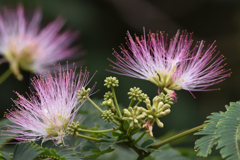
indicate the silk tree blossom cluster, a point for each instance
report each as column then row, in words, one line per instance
column 51, row 107
column 24, row 45
column 172, row 66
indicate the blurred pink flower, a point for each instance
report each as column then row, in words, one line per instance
column 30, row 48
column 53, row 104
column 172, row 66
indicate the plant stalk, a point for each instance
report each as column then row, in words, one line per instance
column 140, row 137
column 116, row 103
column 166, row 141
column 96, row 131
column 5, row 75
column 90, row 138
column 94, row 104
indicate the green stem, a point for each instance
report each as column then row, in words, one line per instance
column 90, row 138
column 128, row 131
column 114, row 121
column 140, row 137
column 96, row 131
column 94, row 104
column 116, row 103
column 131, row 103
column 166, row 141
column 138, row 103
column 5, row 75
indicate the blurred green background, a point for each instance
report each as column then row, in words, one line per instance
column 103, row 25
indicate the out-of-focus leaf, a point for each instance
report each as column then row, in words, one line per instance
column 147, row 143
column 3, row 129
column 5, row 156
column 26, row 151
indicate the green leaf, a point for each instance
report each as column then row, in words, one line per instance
column 147, row 143
column 26, row 151
column 5, row 139
column 166, row 153
column 224, row 130
column 97, row 153
column 205, row 143
column 116, row 133
column 5, row 156
column 51, row 153
column 228, row 132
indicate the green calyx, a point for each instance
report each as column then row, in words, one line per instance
column 83, row 94
column 111, row 82
column 57, row 131
column 166, row 80
column 136, row 94
column 107, row 115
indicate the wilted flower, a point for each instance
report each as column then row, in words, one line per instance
column 25, row 46
column 172, row 66
column 51, row 107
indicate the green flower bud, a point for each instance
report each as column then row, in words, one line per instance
column 150, row 117
column 156, row 101
column 166, row 112
column 159, row 123
column 111, row 82
column 126, row 112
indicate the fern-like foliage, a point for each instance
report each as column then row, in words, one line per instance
column 26, row 151
column 222, row 129
column 205, row 144
column 31, row 150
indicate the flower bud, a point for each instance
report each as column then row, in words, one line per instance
column 159, row 123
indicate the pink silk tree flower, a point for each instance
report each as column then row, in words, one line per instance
column 53, row 104
column 24, row 45
column 172, row 66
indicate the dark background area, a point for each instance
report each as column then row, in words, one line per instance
column 103, row 26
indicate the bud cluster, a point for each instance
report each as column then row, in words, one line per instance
column 135, row 115
column 144, row 118
column 107, row 115
column 156, row 110
column 108, row 95
column 111, row 82
column 136, row 94
column 83, row 94
column 166, row 99
column 73, row 129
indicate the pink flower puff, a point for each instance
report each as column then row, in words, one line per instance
column 25, row 46
column 172, row 66
column 53, row 104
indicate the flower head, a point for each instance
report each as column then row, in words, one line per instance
column 27, row 47
column 51, row 107
column 173, row 66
